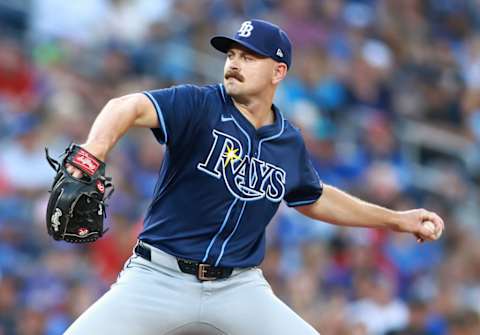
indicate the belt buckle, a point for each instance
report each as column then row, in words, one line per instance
column 202, row 271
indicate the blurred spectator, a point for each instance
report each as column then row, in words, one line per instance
column 379, row 311
column 386, row 94
column 30, row 322
column 418, row 320
column 8, row 307
column 111, row 252
column 17, row 81
column 23, row 155
column 464, row 322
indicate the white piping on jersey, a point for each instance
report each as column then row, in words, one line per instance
column 220, row 230
column 271, row 137
column 224, row 245
column 159, row 114
column 223, row 93
column 231, row 205
column 303, row 202
column 231, row 234
column 308, row 202
column 245, row 133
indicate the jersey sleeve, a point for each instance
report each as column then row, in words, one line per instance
column 306, row 187
column 178, row 109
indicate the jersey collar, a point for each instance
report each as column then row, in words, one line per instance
column 271, row 130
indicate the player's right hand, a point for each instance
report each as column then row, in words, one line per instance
column 413, row 221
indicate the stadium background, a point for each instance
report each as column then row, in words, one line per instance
column 387, row 94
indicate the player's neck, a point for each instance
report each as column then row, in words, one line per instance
column 258, row 112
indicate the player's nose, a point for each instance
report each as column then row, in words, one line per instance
column 233, row 64
column 233, row 67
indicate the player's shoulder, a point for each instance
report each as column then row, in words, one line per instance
column 215, row 92
column 200, row 90
column 203, row 94
column 291, row 132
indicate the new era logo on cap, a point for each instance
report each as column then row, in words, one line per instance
column 261, row 37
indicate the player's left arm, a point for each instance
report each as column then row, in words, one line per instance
column 340, row 208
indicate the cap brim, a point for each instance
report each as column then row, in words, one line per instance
column 224, row 43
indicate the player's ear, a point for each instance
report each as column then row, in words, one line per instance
column 279, row 72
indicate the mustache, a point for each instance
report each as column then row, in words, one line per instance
column 234, row 74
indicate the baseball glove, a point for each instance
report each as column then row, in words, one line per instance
column 76, row 208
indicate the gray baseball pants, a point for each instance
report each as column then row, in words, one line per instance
column 156, row 298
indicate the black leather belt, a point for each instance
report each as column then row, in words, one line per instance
column 203, row 271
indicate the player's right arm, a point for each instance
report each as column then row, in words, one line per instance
column 114, row 120
column 340, row 208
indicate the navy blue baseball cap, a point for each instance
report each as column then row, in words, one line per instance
column 260, row 36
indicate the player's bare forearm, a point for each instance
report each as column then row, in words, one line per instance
column 119, row 115
column 340, row 208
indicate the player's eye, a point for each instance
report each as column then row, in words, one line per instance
column 248, row 58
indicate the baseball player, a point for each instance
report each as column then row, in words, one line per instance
column 231, row 158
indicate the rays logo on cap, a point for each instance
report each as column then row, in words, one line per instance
column 245, row 29
column 268, row 40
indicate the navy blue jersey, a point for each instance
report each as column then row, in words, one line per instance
column 222, row 180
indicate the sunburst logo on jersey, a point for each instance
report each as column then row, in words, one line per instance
column 230, row 155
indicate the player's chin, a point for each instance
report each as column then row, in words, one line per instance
column 233, row 88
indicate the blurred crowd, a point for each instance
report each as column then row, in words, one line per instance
column 386, row 93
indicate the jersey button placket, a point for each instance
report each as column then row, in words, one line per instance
column 255, row 146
